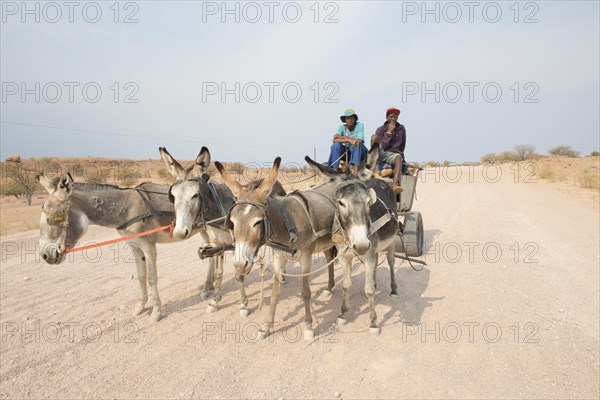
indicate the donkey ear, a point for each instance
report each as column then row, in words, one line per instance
column 372, row 196
column 322, row 170
column 265, row 188
column 65, row 183
column 203, row 160
column 235, row 187
column 373, row 157
column 369, row 165
column 174, row 168
column 47, row 183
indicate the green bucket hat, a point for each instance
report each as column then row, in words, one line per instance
column 348, row 113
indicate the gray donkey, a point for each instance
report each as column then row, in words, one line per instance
column 72, row 207
column 201, row 207
column 300, row 221
column 366, row 224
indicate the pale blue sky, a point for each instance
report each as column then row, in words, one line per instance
column 370, row 55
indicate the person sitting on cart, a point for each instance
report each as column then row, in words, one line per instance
column 348, row 142
column 391, row 137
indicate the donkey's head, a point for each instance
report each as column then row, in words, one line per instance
column 61, row 224
column 247, row 219
column 184, row 193
column 353, row 202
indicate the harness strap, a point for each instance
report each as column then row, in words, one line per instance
column 384, row 219
column 150, row 213
column 287, row 222
column 315, row 235
column 215, row 194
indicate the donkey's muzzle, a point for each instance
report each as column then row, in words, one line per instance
column 361, row 247
column 51, row 255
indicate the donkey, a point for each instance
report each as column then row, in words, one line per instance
column 367, row 222
column 72, row 207
column 201, row 206
column 300, row 221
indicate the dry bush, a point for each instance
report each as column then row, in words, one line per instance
column 523, row 151
column 165, row 176
column 564, row 151
column 21, row 182
column 589, row 179
column 99, row 177
column 489, row 158
column 506, row 156
column 552, row 174
column 236, row 167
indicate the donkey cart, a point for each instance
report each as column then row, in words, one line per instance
column 410, row 223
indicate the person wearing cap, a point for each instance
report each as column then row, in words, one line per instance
column 348, row 141
column 391, row 137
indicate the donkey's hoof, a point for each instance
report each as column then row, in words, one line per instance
column 375, row 331
column 244, row 312
column 155, row 316
column 309, row 334
column 342, row 321
column 137, row 310
column 328, row 293
column 205, row 294
column 394, row 296
column 260, row 335
column 211, row 308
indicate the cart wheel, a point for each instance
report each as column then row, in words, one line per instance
column 413, row 234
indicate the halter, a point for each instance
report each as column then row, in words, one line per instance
column 268, row 228
column 339, row 233
column 60, row 218
column 204, row 190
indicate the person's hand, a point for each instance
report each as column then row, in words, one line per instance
column 335, row 137
column 390, row 128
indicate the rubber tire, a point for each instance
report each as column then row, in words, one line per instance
column 413, row 235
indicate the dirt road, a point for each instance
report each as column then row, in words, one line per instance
column 508, row 307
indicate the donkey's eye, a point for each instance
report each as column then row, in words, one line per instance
column 341, row 204
column 195, row 196
column 257, row 223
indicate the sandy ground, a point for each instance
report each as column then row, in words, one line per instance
column 507, row 307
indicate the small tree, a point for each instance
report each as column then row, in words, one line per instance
column 523, row 151
column 100, row 177
column 506, row 156
column 489, row 158
column 165, row 175
column 564, row 151
column 594, row 154
column 23, row 182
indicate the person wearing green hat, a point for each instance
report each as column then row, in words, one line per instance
column 348, row 141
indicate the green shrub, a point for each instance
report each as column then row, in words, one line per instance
column 564, row 151
column 489, row 158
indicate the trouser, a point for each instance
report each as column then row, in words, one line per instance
column 337, row 149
